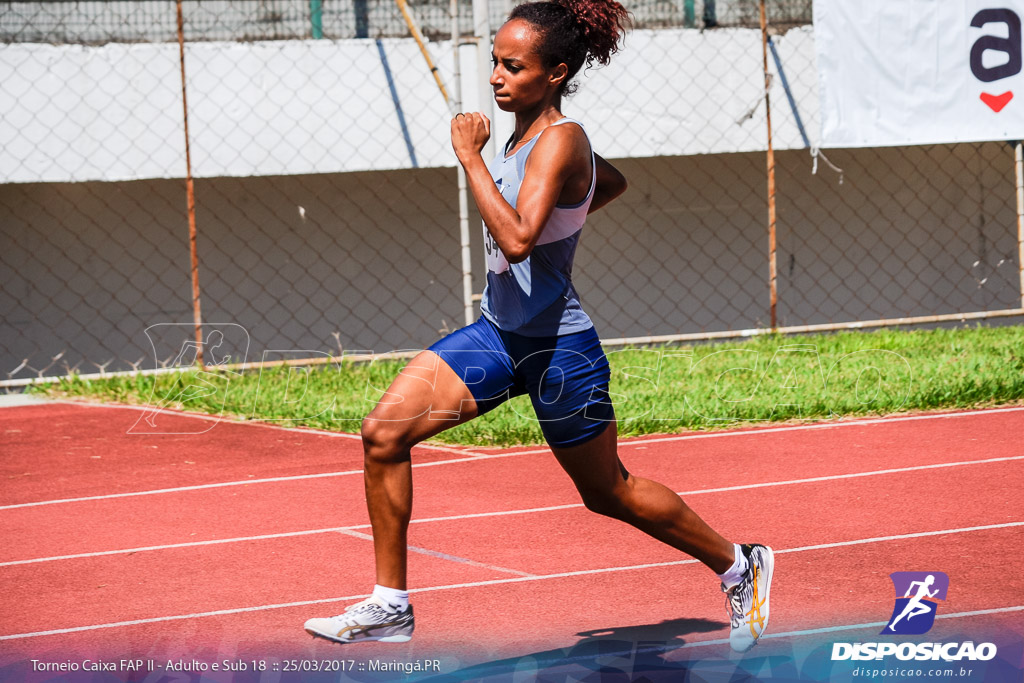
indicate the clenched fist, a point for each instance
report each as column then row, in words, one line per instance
column 470, row 132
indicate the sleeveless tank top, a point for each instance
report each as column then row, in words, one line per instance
column 536, row 297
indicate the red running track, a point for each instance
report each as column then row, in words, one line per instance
column 217, row 539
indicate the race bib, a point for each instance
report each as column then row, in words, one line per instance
column 496, row 261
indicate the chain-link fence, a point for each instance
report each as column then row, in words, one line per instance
column 326, row 200
column 105, row 21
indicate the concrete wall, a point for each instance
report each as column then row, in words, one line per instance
column 373, row 256
column 77, row 113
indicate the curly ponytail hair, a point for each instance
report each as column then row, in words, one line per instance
column 575, row 32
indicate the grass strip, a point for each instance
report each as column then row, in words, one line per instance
column 666, row 389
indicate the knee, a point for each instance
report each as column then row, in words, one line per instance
column 605, row 502
column 384, row 442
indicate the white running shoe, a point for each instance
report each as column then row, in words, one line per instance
column 747, row 601
column 371, row 619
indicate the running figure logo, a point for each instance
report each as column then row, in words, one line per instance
column 914, row 612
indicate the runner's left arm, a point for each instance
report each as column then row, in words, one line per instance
column 610, row 184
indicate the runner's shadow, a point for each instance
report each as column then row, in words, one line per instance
column 609, row 655
column 637, row 653
column 668, row 631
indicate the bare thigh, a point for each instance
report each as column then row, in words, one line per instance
column 426, row 398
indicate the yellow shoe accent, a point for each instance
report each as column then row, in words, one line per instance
column 755, row 608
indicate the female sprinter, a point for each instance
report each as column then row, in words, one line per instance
column 533, row 336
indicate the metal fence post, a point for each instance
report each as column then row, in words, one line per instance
column 464, row 243
column 316, row 18
column 772, row 265
column 1019, row 166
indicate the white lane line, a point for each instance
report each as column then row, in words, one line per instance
column 786, row 634
column 854, row 627
column 900, row 537
column 444, row 556
column 836, row 424
column 285, row 534
column 503, row 513
column 491, row 582
column 474, row 456
column 190, row 544
column 179, row 489
column 876, row 624
column 853, row 422
column 854, row 475
column 197, row 487
column 674, row 563
column 255, row 423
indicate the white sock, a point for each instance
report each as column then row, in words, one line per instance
column 734, row 574
column 395, row 598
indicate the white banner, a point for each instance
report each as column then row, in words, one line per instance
column 912, row 72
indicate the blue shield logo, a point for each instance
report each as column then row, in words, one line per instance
column 917, row 596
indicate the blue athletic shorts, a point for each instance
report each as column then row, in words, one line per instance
column 565, row 376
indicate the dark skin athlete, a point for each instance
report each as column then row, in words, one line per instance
column 428, row 397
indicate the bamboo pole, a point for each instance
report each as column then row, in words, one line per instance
column 454, row 106
column 415, row 31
